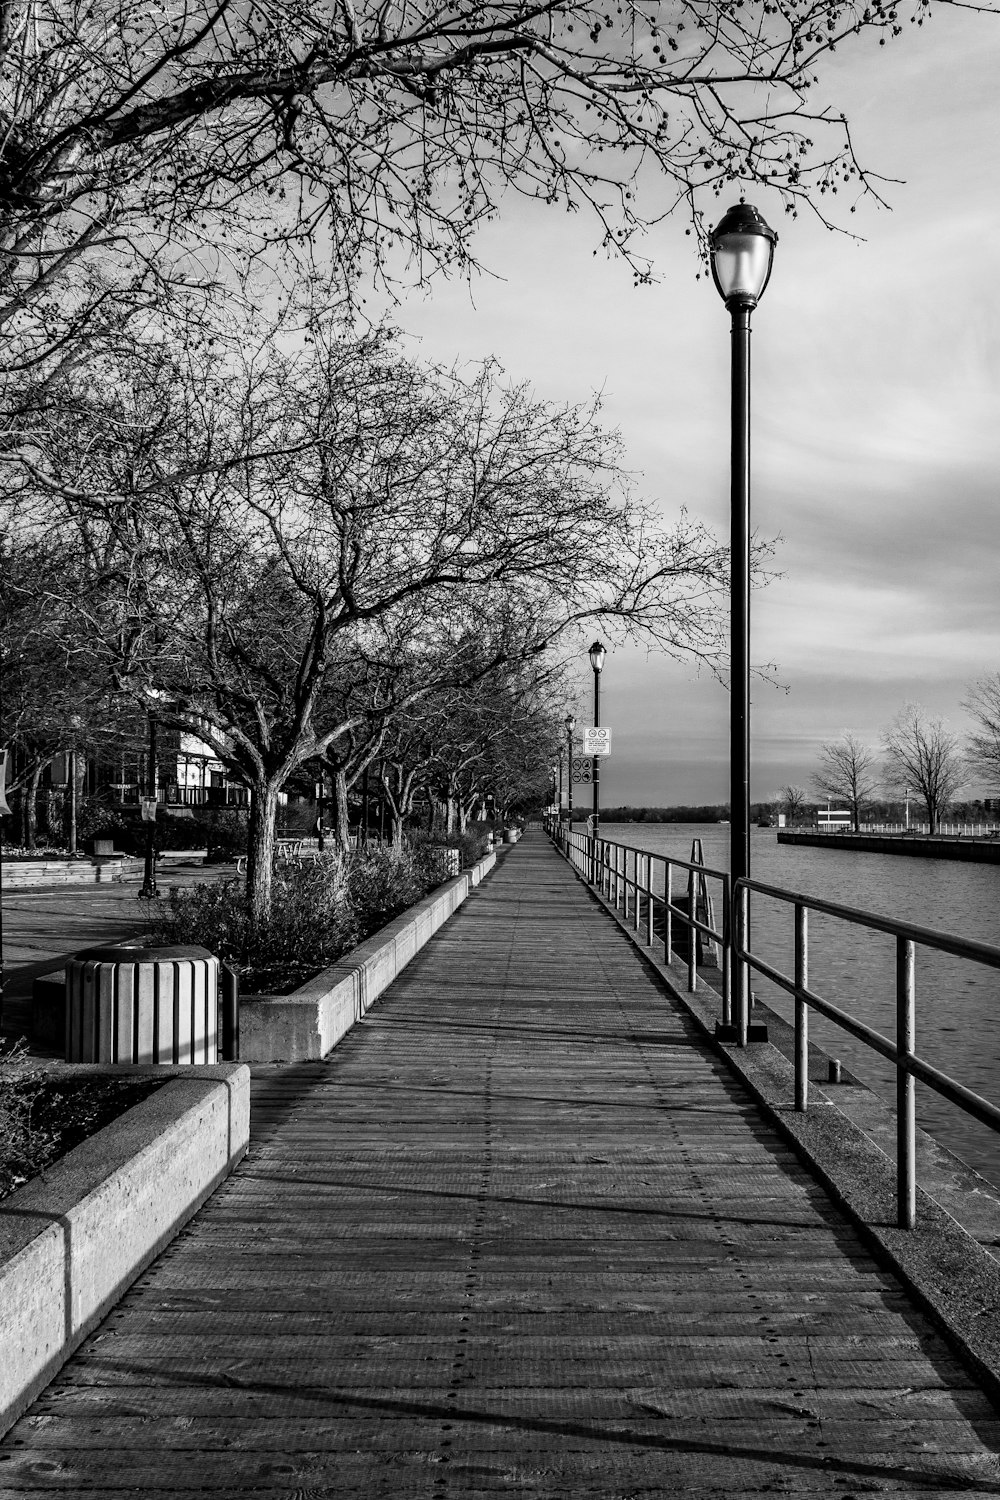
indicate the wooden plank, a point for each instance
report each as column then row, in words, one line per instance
column 520, row 1234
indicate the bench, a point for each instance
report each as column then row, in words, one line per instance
column 287, row 851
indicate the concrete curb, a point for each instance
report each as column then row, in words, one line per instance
column 947, row 1272
column 73, row 1240
column 308, row 1023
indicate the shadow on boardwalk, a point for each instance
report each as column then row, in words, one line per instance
column 518, row 1235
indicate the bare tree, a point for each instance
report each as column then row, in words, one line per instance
column 250, row 532
column 847, row 773
column 983, row 703
column 794, row 798
column 923, row 754
column 151, row 144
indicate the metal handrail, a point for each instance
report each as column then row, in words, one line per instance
column 608, row 872
column 594, row 859
column 909, row 1066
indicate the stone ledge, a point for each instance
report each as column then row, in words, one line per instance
column 952, row 1277
column 27, row 874
column 308, row 1023
column 73, row 1240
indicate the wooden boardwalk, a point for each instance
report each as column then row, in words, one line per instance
column 519, row 1235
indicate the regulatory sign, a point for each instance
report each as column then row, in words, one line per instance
column 597, row 741
column 583, row 769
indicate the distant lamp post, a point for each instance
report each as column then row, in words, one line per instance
column 597, row 654
column 742, row 255
column 570, row 726
column 148, row 891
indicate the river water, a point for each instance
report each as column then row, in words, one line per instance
column 958, row 1002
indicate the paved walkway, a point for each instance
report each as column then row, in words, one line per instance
column 43, row 926
column 519, row 1235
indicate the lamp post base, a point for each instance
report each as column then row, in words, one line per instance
column 756, row 1032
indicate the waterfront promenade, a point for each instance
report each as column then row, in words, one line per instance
column 519, row 1234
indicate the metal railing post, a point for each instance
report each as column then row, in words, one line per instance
column 741, row 972
column 668, row 875
column 801, row 1008
column 727, row 954
column 906, row 1086
column 692, row 937
column 649, row 901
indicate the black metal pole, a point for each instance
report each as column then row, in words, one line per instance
column 363, row 839
column 597, row 758
column 148, row 890
column 320, row 810
column 569, row 779
column 739, row 669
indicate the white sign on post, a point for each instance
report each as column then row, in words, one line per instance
column 597, row 741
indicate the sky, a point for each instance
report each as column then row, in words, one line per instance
column 876, row 422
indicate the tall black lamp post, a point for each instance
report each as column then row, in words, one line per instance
column 570, row 726
column 597, row 654
column 742, row 255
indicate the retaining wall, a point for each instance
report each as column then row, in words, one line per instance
column 978, row 851
column 311, row 1021
column 22, row 874
column 73, row 1240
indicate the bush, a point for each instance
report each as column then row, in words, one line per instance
column 428, row 849
column 20, row 1086
column 97, row 818
column 226, row 834
column 320, row 909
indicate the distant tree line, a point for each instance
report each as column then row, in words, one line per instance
column 920, row 758
column 712, row 812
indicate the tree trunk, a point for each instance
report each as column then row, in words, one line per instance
column 342, row 826
column 31, row 807
column 397, row 831
column 73, row 791
column 260, row 848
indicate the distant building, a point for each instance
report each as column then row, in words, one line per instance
column 831, row 819
column 188, row 773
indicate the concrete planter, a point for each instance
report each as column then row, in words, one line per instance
column 310, row 1021
column 73, row 1241
column 22, row 874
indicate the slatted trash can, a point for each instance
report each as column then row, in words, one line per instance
column 142, row 1005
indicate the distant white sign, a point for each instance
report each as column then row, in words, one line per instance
column 597, row 741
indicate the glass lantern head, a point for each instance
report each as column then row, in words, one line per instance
column 742, row 256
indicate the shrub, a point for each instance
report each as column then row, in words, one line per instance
column 320, row 909
column 20, row 1141
column 428, row 849
column 96, row 817
column 226, row 833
